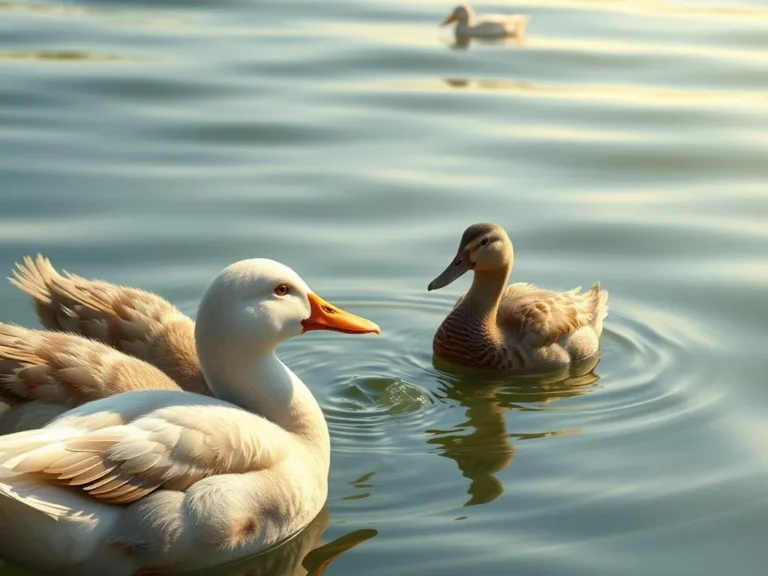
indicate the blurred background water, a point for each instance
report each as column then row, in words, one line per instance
column 152, row 143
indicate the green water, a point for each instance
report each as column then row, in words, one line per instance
column 152, row 143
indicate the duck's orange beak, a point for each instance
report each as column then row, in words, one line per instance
column 326, row 316
column 451, row 18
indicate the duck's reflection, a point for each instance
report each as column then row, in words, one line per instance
column 303, row 555
column 481, row 445
column 510, row 86
column 464, row 43
column 363, row 484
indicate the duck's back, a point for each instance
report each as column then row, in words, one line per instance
column 495, row 26
column 553, row 328
column 543, row 316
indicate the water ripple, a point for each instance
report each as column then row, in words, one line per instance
column 153, row 144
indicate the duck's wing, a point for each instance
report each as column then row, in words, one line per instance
column 542, row 317
column 133, row 321
column 122, row 448
column 513, row 25
column 505, row 18
column 65, row 369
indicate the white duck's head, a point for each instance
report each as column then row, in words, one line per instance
column 254, row 305
column 463, row 14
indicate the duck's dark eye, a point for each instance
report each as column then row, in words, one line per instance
column 281, row 289
column 484, row 242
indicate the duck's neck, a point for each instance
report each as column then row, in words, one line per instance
column 486, row 291
column 267, row 387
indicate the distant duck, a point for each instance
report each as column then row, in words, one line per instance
column 488, row 26
column 513, row 327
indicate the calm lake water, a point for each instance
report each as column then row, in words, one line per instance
column 152, row 143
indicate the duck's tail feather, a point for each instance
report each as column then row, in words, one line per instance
column 600, row 307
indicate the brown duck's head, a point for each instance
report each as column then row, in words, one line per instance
column 462, row 14
column 483, row 248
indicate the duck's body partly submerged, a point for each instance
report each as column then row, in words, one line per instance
column 168, row 480
column 487, row 26
column 516, row 327
column 155, row 479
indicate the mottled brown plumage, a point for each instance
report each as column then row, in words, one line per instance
column 104, row 340
column 516, row 327
column 67, row 369
column 43, row 374
column 132, row 321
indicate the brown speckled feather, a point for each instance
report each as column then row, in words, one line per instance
column 60, row 368
column 138, row 323
column 530, row 331
column 542, row 317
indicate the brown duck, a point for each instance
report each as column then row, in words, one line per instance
column 518, row 326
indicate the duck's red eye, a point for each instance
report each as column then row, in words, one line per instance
column 281, row 289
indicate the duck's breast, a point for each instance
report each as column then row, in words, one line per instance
column 225, row 518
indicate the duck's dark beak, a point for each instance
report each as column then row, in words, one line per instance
column 460, row 264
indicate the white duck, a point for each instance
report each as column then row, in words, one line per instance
column 488, row 26
column 160, row 481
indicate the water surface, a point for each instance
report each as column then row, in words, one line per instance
column 153, row 143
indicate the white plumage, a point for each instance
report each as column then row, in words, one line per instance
column 487, row 26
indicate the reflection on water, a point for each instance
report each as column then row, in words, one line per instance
column 48, row 10
column 463, row 42
column 485, row 84
column 674, row 97
column 318, row 559
column 487, row 449
column 112, row 15
column 622, row 141
column 61, row 56
column 363, row 483
column 302, row 555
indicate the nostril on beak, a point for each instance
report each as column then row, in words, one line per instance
column 328, row 310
